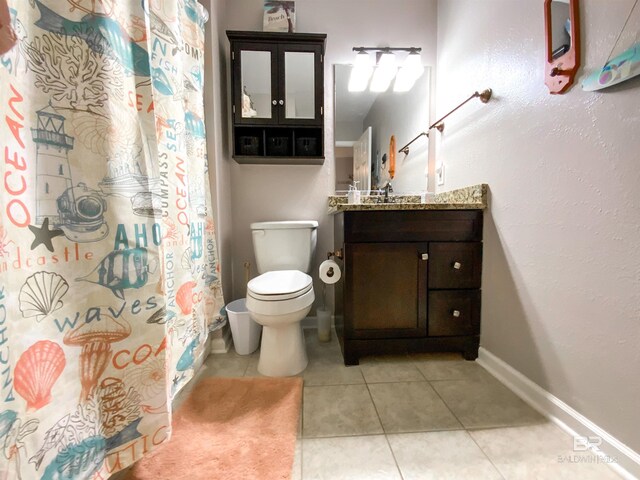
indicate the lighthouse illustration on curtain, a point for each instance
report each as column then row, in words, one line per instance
column 77, row 210
column 52, row 158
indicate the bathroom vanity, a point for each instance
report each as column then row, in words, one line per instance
column 412, row 275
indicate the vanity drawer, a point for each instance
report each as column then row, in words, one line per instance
column 413, row 226
column 455, row 264
column 453, row 313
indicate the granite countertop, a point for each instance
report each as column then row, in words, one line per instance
column 467, row 198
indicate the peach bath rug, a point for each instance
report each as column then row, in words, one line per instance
column 230, row 428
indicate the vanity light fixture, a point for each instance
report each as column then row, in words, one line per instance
column 384, row 69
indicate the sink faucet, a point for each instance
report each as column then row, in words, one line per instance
column 387, row 189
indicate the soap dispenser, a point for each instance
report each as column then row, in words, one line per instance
column 353, row 195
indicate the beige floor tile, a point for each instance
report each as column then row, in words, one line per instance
column 541, row 452
column 411, row 407
column 228, row 364
column 331, row 373
column 484, row 403
column 450, row 369
column 441, row 456
column 379, row 372
column 296, row 470
column 338, row 411
column 348, row 458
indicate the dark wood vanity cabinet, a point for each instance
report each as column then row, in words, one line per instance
column 277, row 83
column 411, row 282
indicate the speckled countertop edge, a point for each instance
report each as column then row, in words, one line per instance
column 468, row 198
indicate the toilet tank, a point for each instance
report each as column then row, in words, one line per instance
column 284, row 245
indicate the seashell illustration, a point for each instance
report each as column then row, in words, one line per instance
column 149, row 377
column 36, row 371
column 184, row 297
column 42, row 294
column 187, row 260
column 80, row 460
column 96, row 338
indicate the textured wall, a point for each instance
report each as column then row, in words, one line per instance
column 561, row 282
column 260, row 192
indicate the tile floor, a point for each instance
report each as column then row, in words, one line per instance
column 416, row 417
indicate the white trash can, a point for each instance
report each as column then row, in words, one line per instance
column 245, row 332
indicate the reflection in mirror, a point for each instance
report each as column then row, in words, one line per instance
column 299, row 84
column 560, row 28
column 402, row 114
column 256, row 84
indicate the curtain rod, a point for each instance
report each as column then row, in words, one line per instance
column 484, row 96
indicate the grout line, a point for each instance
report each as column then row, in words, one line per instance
column 384, row 432
column 486, row 455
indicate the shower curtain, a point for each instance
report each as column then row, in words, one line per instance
column 109, row 276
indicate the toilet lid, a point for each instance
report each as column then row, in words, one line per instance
column 279, row 285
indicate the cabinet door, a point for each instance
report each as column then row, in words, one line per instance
column 386, row 290
column 255, row 88
column 301, row 90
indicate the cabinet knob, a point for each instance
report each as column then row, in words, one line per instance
column 457, row 265
column 274, row 102
column 424, row 256
column 456, row 313
column 281, row 102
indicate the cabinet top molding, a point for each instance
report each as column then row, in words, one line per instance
column 276, row 36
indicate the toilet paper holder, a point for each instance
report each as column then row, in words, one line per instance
column 337, row 254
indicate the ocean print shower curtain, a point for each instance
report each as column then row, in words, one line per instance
column 109, row 278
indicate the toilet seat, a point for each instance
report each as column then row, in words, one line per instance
column 280, row 292
column 279, row 285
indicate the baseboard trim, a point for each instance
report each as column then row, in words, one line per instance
column 568, row 419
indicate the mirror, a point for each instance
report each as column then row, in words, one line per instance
column 401, row 114
column 562, row 29
column 299, row 74
column 256, row 86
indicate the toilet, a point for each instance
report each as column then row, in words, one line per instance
column 282, row 295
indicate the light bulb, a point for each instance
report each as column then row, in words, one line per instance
column 410, row 71
column 360, row 72
column 384, row 72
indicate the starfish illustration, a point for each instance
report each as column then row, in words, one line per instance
column 44, row 235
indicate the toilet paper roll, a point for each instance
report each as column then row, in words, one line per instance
column 329, row 272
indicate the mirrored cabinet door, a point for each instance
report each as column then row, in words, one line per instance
column 255, row 78
column 299, row 85
column 255, row 94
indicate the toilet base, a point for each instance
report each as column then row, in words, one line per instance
column 282, row 350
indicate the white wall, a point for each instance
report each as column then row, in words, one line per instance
column 217, row 131
column 260, row 192
column 561, row 280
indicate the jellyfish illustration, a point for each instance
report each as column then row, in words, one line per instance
column 96, row 338
column 36, row 371
column 184, row 297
